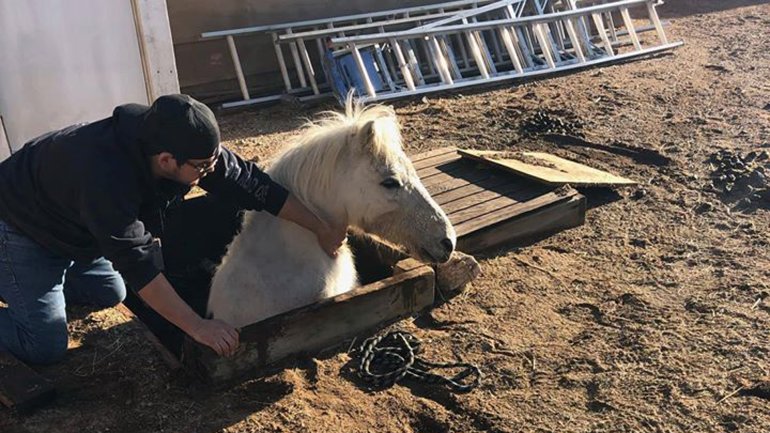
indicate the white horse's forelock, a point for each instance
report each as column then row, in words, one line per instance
column 322, row 143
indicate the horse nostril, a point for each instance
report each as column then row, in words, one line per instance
column 447, row 244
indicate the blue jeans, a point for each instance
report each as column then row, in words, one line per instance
column 36, row 284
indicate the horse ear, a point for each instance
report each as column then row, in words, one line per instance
column 365, row 135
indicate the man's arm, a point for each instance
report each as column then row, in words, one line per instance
column 110, row 213
column 253, row 189
column 243, row 182
column 330, row 237
column 216, row 334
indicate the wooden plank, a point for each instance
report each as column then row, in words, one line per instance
column 458, row 189
column 494, row 207
column 407, row 265
column 445, row 173
column 460, row 171
column 21, row 388
column 527, row 228
column 315, row 327
column 547, row 168
column 482, row 202
column 445, row 167
column 432, row 153
column 499, row 215
column 435, row 160
column 451, row 276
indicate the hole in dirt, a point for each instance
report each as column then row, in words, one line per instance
column 197, row 234
column 426, row 423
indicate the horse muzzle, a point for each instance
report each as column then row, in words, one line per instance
column 439, row 253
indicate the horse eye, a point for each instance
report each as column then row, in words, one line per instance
column 391, row 183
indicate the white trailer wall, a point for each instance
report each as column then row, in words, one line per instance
column 5, row 147
column 70, row 61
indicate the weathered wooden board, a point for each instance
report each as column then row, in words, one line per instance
column 21, row 388
column 547, row 168
column 315, row 327
column 451, row 276
column 490, row 207
column 552, row 214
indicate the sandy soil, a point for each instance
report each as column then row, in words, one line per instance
column 653, row 316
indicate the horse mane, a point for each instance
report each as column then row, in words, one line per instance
column 322, row 144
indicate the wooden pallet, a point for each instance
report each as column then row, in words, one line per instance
column 490, row 207
column 21, row 388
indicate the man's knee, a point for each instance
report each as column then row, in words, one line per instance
column 113, row 293
column 103, row 292
column 44, row 351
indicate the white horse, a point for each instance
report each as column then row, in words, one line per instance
column 345, row 168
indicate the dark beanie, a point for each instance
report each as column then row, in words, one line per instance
column 182, row 126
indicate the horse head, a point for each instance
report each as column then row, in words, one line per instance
column 353, row 168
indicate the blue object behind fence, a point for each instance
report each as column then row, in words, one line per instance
column 343, row 74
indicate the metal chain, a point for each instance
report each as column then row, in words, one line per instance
column 387, row 359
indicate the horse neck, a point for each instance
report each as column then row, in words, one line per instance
column 299, row 172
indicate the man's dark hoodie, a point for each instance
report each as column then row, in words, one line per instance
column 87, row 190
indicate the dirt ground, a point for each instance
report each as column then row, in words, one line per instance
column 653, row 316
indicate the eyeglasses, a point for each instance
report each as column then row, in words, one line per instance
column 205, row 166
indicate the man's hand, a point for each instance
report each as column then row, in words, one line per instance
column 217, row 335
column 331, row 237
